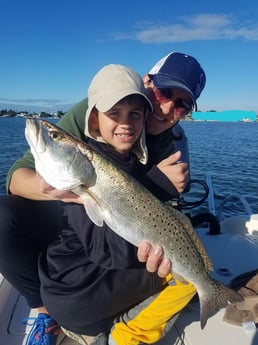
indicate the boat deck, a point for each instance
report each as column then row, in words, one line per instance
column 13, row 332
column 14, row 309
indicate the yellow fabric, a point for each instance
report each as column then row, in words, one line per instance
column 168, row 278
column 149, row 324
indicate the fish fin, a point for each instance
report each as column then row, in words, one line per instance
column 198, row 244
column 93, row 209
column 189, row 230
column 219, row 297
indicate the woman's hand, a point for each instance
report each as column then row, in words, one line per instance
column 64, row 195
column 177, row 173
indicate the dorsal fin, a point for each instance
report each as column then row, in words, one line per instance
column 187, row 226
column 199, row 246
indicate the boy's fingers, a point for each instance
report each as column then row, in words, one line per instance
column 154, row 259
column 164, row 268
column 153, row 256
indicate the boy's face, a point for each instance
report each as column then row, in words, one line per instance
column 121, row 126
column 166, row 112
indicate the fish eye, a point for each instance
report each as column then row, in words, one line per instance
column 55, row 136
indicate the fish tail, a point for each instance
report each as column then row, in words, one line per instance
column 217, row 298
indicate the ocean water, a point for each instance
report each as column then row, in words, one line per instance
column 228, row 151
column 12, row 145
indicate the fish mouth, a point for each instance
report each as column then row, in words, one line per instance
column 33, row 136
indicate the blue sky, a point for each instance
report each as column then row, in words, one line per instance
column 51, row 49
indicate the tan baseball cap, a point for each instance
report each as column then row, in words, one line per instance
column 111, row 84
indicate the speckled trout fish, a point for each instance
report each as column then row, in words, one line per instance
column 113, row 197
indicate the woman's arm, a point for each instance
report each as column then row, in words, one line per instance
column 29, row 184
column 25, row 182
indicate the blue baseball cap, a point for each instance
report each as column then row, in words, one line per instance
column 181, row 71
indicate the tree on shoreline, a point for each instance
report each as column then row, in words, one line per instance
column 13, row 113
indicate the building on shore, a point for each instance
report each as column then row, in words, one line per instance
column 226, row 116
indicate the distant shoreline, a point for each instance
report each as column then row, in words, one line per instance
column 211, row 116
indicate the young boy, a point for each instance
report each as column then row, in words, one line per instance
column 90, row 276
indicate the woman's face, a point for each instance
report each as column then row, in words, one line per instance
column 169, row 106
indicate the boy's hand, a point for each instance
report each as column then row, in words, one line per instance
column 153, row 256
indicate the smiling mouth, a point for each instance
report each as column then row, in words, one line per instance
column 124, row 136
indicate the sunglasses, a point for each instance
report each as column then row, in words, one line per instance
column 178, row 102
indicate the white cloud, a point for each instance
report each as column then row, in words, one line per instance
column 45, row 101
column 192, row 28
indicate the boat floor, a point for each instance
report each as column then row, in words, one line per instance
column 14, row 309
column 13, row 332
column 185, row 332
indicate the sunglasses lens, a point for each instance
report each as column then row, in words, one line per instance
column 179, row 102
column 168, row 93
column 182, row 103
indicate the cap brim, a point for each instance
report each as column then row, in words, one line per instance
column 107, row 102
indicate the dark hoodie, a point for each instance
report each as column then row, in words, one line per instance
column 89, row 275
